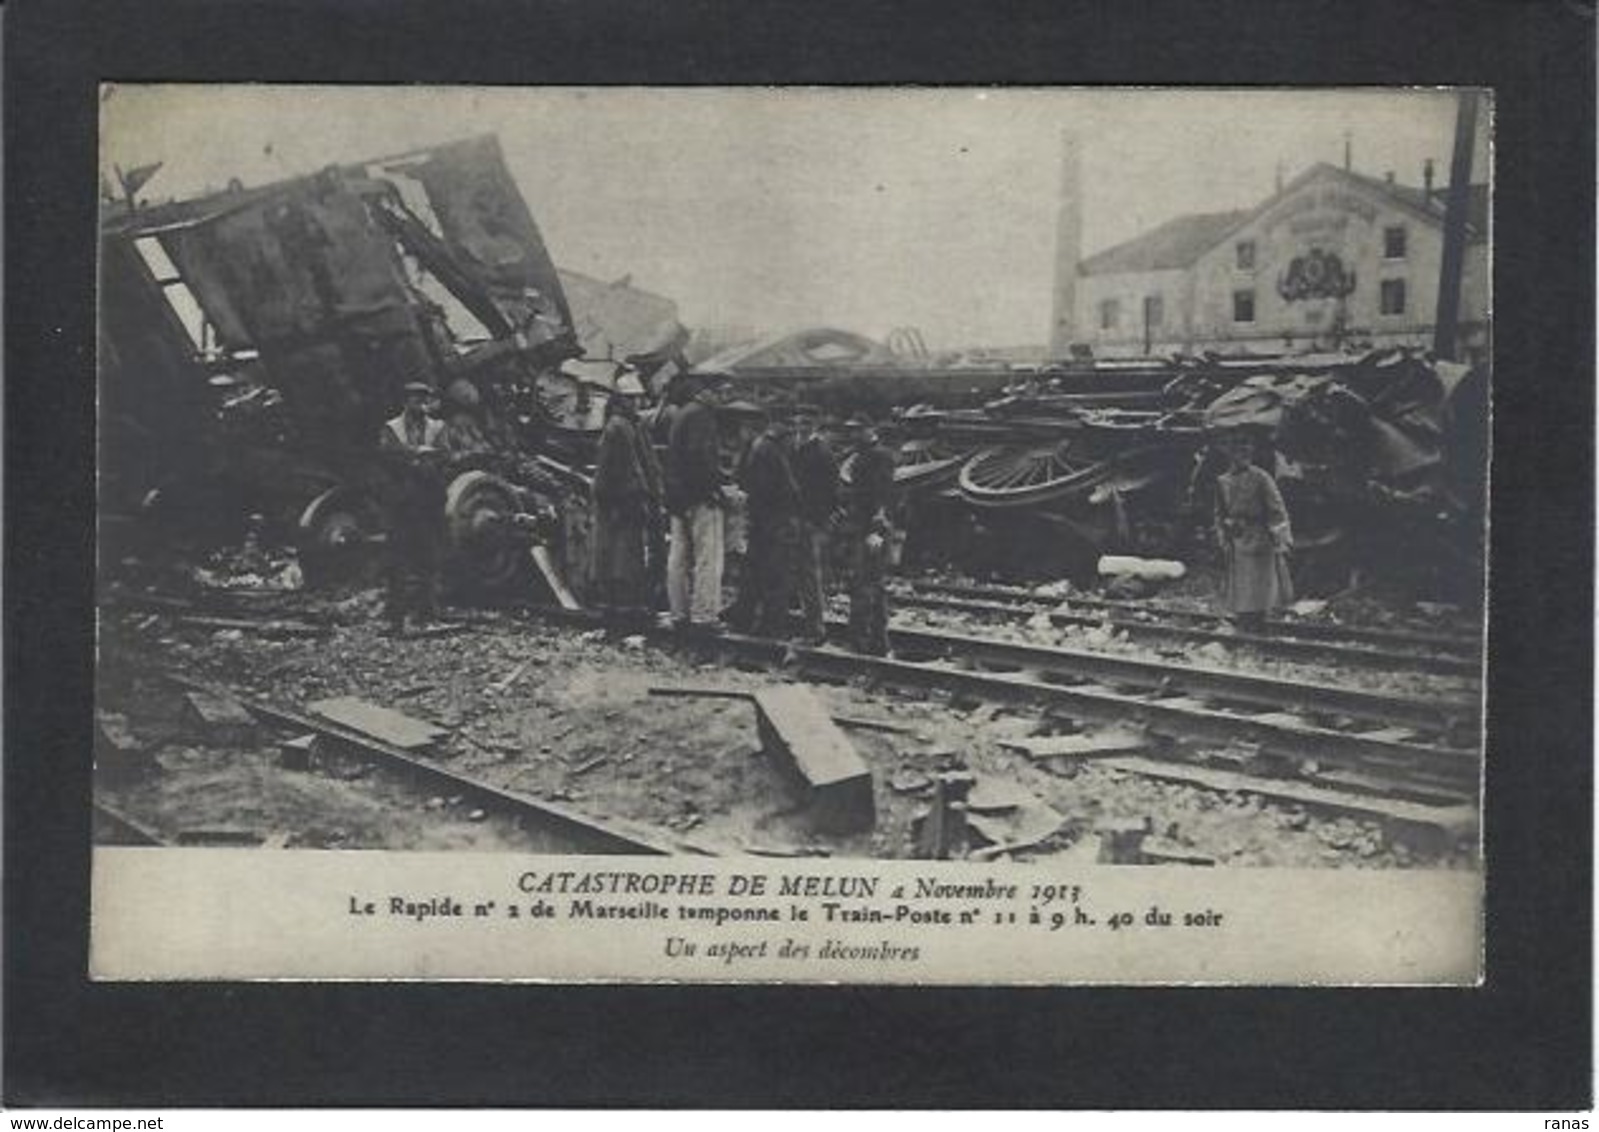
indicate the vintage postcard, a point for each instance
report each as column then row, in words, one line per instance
column 938, row 536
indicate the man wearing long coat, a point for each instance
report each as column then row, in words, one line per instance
column 625, row 494
column 1254, row 534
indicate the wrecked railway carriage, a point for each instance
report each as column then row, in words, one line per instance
column 252, row 343
column 1382, row 458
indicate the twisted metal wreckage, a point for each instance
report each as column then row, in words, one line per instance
column 253, row 341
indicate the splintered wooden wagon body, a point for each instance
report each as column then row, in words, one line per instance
column 253, row 342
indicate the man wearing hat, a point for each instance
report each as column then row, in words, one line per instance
column 767, row 478
column 1253, row 532
column 866, row 529
column 463, row 436
column 816, row 472
column 694, row 483
column 415, row 498
column 626, row 494
column 413, row 430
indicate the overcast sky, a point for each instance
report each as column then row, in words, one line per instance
column 792, row 207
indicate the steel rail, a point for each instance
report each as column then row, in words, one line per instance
column 593, row 834
column 1455, row 769
column 125, row 827
column 1469, row 643
column 1287, row 647
column 1269, row 692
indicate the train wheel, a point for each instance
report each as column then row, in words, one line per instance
column 1027, row 475
column 486, row 553
column 924, row 466
column 333, row 535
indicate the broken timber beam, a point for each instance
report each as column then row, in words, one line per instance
column 1440, row 826
column 385, row 724
column 797, row 729
column 220, row 719
column 700, row 691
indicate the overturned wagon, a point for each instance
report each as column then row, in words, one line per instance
column 254, row 341
column 1385, row 449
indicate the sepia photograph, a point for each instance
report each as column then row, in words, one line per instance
column 935, row 534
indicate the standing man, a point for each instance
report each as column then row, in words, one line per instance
column 410, row 443
column 694, row 501
column 622, row 505
column 767, row 478
column 816, row 473
column 866, row 529
column 1254, row 535
column 463, row 437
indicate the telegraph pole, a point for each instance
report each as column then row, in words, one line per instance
column 1446, row 330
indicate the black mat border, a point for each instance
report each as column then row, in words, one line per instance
column 1522, row 1042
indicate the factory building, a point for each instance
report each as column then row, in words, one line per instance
column 1334, row 258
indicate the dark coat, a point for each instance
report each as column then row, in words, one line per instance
column 622, row 499
column 768, row 479
column 817, row 474
column 693, row 458
column 871, row 483
column 1253, row 531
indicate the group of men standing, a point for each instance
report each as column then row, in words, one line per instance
column 797, row 503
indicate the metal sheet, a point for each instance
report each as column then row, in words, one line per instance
column 482, row 215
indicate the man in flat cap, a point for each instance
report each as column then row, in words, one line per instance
column 415, row 498
column 413, row 430
column 868, row 476
column 816, row 472
column 767, row 477
column 694, row 499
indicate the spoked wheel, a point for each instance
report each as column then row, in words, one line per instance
column 486, row 552
column 925, row 465
column 1027, row 475
column 334, row 535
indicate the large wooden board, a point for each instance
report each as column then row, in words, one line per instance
column 796, row 727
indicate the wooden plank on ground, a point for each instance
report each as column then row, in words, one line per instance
column 551, row 573
column 219, row 719
column 700, row 691
column 795, row 726
column 1117, row 740
column 381, row 723
column 1453, row 821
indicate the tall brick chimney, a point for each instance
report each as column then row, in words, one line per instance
column 1068, row 248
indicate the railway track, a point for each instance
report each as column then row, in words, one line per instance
column 1266, row 644
column 1372, row 746
column 576, row 831
column 1414, row 648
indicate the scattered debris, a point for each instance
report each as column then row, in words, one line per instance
column 942, row 830
column 1166, row 851
column 221, row 837
column 221, row 720
column 118, row 753
column 1122, row 842
column 994, row 795
column 383, row 724
column 796, row 728
column 909, row 780
column 1017, row 827
column 545, row 563
column 1114, row 741
column 500, row 687
column 297, row 753
column 1430, row 822
column 261, row 628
